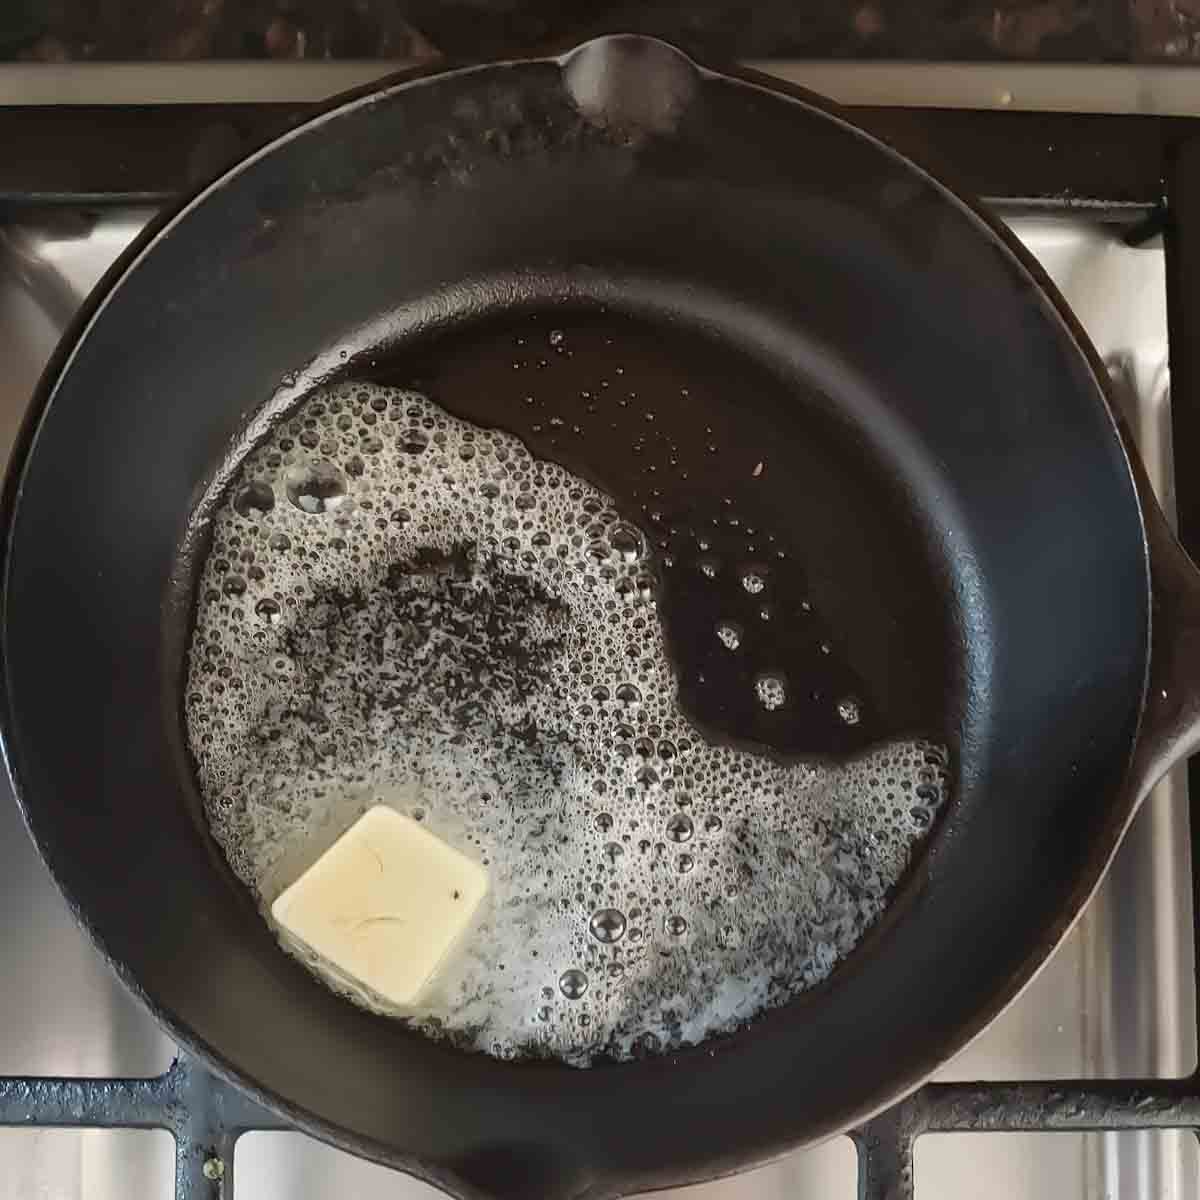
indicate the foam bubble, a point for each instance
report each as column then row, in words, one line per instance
column 401, row 607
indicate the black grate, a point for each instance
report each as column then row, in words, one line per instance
column 1141, row 172
column 205, row 1115
column 885, row 1143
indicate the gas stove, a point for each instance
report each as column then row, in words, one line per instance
column 1083, row 1088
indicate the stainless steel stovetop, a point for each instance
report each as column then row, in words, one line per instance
column 1117, row 1000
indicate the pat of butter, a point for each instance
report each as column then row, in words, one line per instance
column 384, row 904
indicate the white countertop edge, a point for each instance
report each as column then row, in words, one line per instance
column 1159, row 89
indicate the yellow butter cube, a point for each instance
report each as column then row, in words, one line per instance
column 384, row 904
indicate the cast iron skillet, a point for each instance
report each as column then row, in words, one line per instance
column 944, row 466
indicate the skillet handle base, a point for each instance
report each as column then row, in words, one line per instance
column 515, row 1172
column 1170, row 729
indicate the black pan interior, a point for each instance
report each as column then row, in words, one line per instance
column 939, row 466
column 713, row 451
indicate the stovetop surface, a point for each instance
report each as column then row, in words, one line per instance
column 1117, row 999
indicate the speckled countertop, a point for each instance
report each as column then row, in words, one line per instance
column 1046, row 30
